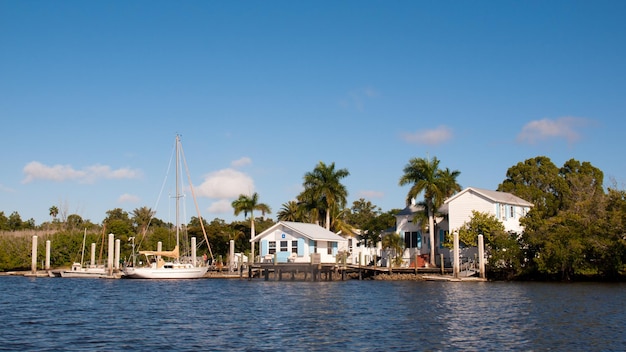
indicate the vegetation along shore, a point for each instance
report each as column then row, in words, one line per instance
column 575, row 230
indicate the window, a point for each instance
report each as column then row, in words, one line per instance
column 329, row 249
column 272, row 247
column 412, row 239
column 284, row 246
column 512, row 209
column 294, row 247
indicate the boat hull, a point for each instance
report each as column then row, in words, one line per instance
column 165, row 273
column 87, row 275
column 78, row 271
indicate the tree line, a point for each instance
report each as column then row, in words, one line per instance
column 575, row 229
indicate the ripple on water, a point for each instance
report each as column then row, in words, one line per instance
column 238, row 315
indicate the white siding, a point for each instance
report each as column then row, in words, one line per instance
column 460, row 210
column 285, row 234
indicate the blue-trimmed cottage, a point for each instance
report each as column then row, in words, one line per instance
column 295, row 242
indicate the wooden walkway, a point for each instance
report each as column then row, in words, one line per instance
column 329, row 271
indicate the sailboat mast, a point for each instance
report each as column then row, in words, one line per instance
column 82, row 255
column 177, row 190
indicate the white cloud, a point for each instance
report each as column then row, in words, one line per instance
column 222, row 206
column 438, row 135
column 128, row 198
column 563, row 127
column 241, row 162
column 38, row 171
column 370, row 194
column 226, row 183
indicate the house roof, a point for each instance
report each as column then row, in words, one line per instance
column 495, row 196
column 410, row 209
column 311, row 231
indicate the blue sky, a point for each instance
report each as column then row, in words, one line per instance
column 92, row 94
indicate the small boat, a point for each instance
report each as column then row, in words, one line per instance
column 77, row 270
column 157, row 267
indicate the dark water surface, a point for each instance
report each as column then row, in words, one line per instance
column 54, row 314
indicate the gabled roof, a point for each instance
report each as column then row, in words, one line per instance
column 494, row 196
column 310, row 231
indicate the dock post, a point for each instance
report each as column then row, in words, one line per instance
column 110, row 255
column 93, row 255
column 231, row 256
column 442, row 267
column 194, row 255
column 117, row 254
column 47, row 267
column 456, row 255
column 481, row 256
column 33, row 262
column 360, row 259
column 241, row 267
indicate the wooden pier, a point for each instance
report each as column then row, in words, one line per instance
column 330, row 271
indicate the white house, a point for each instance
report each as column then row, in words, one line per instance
column 456, row 211
column 295, row 242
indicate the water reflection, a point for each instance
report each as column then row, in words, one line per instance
column 238, row 315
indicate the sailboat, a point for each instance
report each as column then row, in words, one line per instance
column 91, row 271
column 157, row 267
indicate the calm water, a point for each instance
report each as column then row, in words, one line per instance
column 237, row 315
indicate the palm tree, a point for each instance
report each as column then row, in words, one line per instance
column 290, row 211
column 323, row 184
column 54, row 211
column 247, row 205
column 437, row 186
column 394, row 245
column 141, row 219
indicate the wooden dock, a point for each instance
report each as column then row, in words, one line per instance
column 330, row 271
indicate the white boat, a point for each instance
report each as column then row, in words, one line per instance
column 77, row 270
column 157, row 267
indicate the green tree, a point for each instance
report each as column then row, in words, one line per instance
column 74, row 222
column 4, row 222
column 119, row 223
column 568, row 232
column 609, row 250
column 141, row 218
column 323, row 187
column 291, row 211
column 361, row 212
column 480, row 223
column 248, row 204
column 503, row 249
column 15, row 221
column 395, row 246
column 369, row 221
column 54, row 211
column 436, row 184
